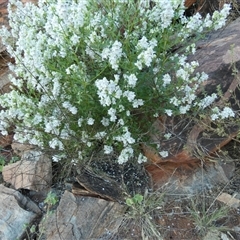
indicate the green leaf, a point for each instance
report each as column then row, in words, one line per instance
column 51, row 199
column 138, row 198
column 129, row 202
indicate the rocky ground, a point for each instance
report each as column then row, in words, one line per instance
column 29, row 212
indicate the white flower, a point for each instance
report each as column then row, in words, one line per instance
column 73, row 68
column 37, row 119
column 112, row 113
column 191, row 48
column 219, row 18
column 113, row 54
column 147, row 53
column 195, row 23
column 118, row 92
column 130, row 95
column 4, row 132
column 56, row 143
column 102, row 83
column 203, row 77
column 168, row 112
column 167, row 135
column 108, row 91
column 74, row 39
column 137, row 103
column 105, row 122
column 143, row 43
column 68, row 71
column 194, row 64
column 36, row 142
column 175, row 101
column 90, row 52
column 125, row 155
column 51, row 125
column 182, row 73
column 226, row 113
column 105, row 88
column 141, row 158
column 156, row 70
column 132, row 80
column 207, row 101
column 105, row 53
column 121, row 122
column 163, row 154
column 182, row 60
column 125, row 138
column 184, row 109
column 214, row 116
column 100, row 135
column 57, row 158
column 70, row 107
column 121, row 108
column 108, row 149
column 56, row 87
column 138, row 64
column 65, row 133
column 163, row 13
column 166, row 79
column 80, row 120
column 128, row 113
column 167, row 16
column 73, row 110
column 146, row 57
column 90, row 121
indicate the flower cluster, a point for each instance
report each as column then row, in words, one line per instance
column 87, row 72
column 225, row 113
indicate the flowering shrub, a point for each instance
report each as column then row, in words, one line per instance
column 92, row 74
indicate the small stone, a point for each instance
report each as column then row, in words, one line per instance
column 224, row 237
column 33, row 171
column 213, row 235
column 20, row 148
column 79, row 217
column 229, row 200
column 13, row 216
